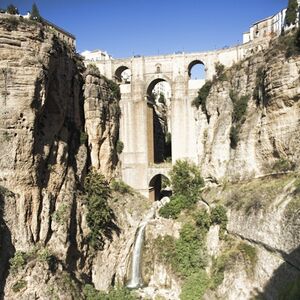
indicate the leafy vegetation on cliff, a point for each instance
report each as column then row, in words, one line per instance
column 100, row 217
column 186, row 186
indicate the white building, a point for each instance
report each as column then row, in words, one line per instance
column 268, row 27
column 96, row 55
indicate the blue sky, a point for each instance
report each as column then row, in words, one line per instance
column 150, row 27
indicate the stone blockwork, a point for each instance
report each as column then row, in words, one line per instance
column 145, row 73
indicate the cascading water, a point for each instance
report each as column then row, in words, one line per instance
column 136, row 278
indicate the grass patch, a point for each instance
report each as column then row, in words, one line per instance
column 121, row 187
column 254, row 195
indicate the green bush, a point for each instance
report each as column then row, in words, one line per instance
column 12, row 10
column 18, row 261
column 187, row 254
column 119, row 147
column 19, row 285
column 220, row 72
column 203, row 93
column 174, row 207
column 219, row 216
column 119, row 293
column 114, row 88
column 238, row 116
column 291, row 12
column 190, row 251
column 240, row 108
column 121, row 187
column 186, row 180
column 283, row 165
column 186, row 186
column 83, row 138
column 60, row 215
column 203, row 220
column 100, row 215
column 195, row 286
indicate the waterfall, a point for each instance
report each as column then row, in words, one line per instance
column 136, row 278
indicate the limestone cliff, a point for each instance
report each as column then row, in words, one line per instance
column 102, row 114
column 44, row 159
column 268, row 132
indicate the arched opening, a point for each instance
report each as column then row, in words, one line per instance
column 159, row 121
column 123, row 75
column 159, row 187
column 196, row 70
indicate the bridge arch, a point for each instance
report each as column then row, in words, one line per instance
column 153, row 81
column 196, row 68
column 159, row 127
column 123, row 74
column 159, row 187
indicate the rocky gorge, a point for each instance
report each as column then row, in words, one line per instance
column 60, row 125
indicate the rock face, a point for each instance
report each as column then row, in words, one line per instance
column 102, row 114
column 269, row 130
column 41, row 159
column 264, row 213
column 44, row 159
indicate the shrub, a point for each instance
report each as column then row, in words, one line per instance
column 203, row 220
column 190, row 251
column 259, row 90
column 119, row 147
column 195, row 286
column 121, row 187
column 100, row 215
column 218, row 216
column 203, row 93
column 187, row 184
column 173, row 208
column 92, row 69
column 240, row 108
column 119, row 293
column 19, row 285
column 61, row 216
column 83, row 138
column 12, row 10
column 291, row 12
column 186, row 180
column 114, row 88
column 18, row 261
column 249, row 254
column 187, row 254
column 11, row 23
column 35, row 14
column 220, row 72
column 44, row 255
column 283, row 165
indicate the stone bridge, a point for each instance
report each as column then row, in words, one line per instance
column 136, row 126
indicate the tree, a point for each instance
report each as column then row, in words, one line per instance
column 11, row 9
column 291, row 13
column 35, row 14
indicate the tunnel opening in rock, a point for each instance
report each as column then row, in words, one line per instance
column 159, row 187
column 159, row 121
